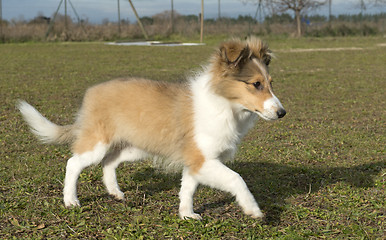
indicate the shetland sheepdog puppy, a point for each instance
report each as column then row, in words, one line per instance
column 197, row 124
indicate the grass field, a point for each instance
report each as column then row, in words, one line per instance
column 317, row 173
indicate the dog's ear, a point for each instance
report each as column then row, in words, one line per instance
column 267, row 57
column 259, row 50
column 234, row 53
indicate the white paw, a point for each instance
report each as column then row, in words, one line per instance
column 255, row 213
column 118, row 195
column 73, row 202
column 187, row 216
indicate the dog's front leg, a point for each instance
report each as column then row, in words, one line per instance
column 188, row 187
column 215, row 174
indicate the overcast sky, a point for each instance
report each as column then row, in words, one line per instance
column 97, row 10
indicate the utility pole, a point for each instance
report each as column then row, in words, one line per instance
column 329, row 12
column 52, row 21
column 259, row 12
column 138, row 20
column 76, row 14
column 172, row 17
column 119, row 19
column 219, row 9
column 65, row 17
column 202, row 21
column 363, row 7
column 1, row 21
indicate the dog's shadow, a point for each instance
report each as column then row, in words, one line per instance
column 271, row 184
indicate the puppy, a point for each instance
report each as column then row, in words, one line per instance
column 197, row 124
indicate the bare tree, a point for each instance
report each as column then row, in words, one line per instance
column 364, row 4
column 376, row 2
column 299, row 7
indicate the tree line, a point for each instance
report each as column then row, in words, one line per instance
column 159, row 27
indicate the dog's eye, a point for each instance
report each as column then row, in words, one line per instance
column 258, row 85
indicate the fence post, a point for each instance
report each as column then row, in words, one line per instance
column 119, row 19
column 1, row 21
column 202, row 21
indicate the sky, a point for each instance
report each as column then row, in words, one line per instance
column 98, row 10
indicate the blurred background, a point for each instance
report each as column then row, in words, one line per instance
column 109, row 20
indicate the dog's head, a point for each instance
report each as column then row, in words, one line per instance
column 240, row 70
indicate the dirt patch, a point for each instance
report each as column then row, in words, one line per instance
column 154, row 43
column 321, row 49
column 329, row 49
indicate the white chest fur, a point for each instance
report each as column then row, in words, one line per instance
column 219, row 124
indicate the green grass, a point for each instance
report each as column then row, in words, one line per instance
column 317, row 173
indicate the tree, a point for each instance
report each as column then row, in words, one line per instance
column 363, row 4
column 299, row 7
column 376, row 3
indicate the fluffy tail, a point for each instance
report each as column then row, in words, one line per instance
column 45, row 130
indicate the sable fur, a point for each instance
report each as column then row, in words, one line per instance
column 196, row 125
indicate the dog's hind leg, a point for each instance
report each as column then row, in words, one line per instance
column 111, row 162
column 75, row 165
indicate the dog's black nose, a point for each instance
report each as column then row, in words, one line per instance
column 281, row 113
